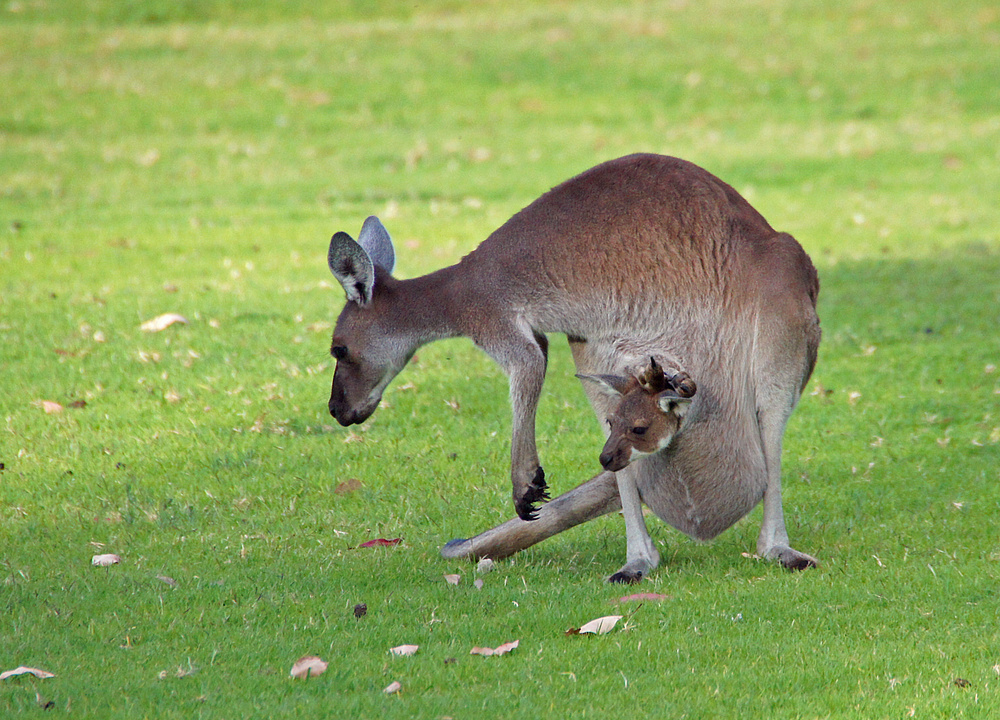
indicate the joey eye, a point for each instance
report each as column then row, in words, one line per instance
column 339, row 352
column 638, row 430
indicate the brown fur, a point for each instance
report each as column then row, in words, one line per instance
column 644, row 255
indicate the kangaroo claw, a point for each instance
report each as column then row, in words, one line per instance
column 536, row 492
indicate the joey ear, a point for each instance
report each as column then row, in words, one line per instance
column 375, row 241
column 670, row 401
column 353, row 267
column 610, row 385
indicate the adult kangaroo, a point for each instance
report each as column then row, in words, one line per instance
column 643, row 256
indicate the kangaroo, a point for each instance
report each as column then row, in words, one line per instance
column 649, row 412
column 641, row 256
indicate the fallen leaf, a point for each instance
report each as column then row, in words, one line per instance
column 404, row 650
column 601, row 625
column 453, row 579
column 105, row 560
column 380, row 542
column 348, row 486
column 642, row 597
column 168, row 580
column 78, row 404
column 308, row 666
column 162, row 322
column 26, row 671
column 489, row 652
column 478, row 583
column 360, row 610
column 50, row 407
column 485, row 565
column 392, row 688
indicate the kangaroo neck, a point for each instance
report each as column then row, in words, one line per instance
column 432, row 306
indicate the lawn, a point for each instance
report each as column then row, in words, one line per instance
column 195, row 158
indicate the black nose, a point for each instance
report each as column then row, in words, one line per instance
column 606, row 459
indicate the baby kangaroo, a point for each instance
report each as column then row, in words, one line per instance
column 650, row 410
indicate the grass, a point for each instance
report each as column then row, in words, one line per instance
column 196, row 157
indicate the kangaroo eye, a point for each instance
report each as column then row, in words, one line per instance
column 639, row 430
column 339, row 352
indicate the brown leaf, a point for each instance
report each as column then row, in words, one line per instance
column 105, row 560
column 168, row 580
column 404, row 650
column 360, row 610
column 348, row 486
column 308, row 666
column 392, row 688
column 500, row 650
column 42, row 674
column 162, row 322
column 50, row 407
column 380, row 542
column 453, row 579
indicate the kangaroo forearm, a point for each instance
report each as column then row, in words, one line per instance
column 583, row 503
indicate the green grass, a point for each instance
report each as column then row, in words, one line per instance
column 195, row 158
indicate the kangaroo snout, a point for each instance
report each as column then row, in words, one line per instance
column 615, row 457
column 345, row 413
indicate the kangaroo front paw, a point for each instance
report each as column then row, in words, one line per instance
column 534, row 492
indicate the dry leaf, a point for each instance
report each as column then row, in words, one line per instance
column 380, row 542
column 308, row 666
column 26, row 671
column 105, row 560
column 348, row 486
column 392, row 688
column 485, row 565
column 642, row 597
column 601, row 625
column 360, row 610
column 489, row 652
column 168, row 580
column 50, row 407
column 478, row 583
column 162, row 322
column 453, row 579
column 404, row 650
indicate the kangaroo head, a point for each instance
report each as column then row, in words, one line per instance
column 650, row 410
column 369, row 353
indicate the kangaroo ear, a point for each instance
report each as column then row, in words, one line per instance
column 683, row 384
column 353, row 267
column 375, row 241
column 669, row 401
column 611, row 385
